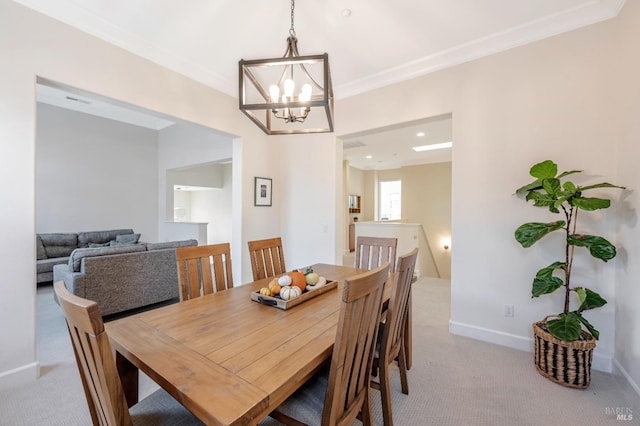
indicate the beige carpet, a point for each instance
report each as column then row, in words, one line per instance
column 454, row 380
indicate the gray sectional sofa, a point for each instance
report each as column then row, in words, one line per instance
column 55, row 248
column 123, row 277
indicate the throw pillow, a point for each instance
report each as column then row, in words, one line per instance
column 98, row 245
column 127, row 238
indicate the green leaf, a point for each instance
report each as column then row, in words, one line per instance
column 548, row 270
column 536, row 184
column 545, row 282
column 545, row 170
column 567, row 327
column 539, row 199
column 598, row 246
column 545, row 285
column 590, row 204
column 591, row 300
column 559, row 202
column 569, row 187
column 552, row 186
column 570, row 172
column 601, row 185
column 529, row 233
column 595, row 333
column 582, row 294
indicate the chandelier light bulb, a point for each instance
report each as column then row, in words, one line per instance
column 289, row 86
column 274, row 93
column 305, row 95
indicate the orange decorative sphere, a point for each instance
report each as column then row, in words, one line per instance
column 274, row 287
column 298, row 280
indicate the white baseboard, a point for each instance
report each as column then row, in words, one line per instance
column 600, row 362
column 18, row 376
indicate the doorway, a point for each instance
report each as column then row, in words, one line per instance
column 398, row 153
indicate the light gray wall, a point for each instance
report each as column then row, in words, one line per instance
column 34, row 46
column 624, row 120
column 571, row 98
column 93, row 174
column 214, row 207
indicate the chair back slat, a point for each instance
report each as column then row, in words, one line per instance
column 372, row 252
column 267, row 258
column 348, row 385
column 97, row 366
column 204, row 269
column 393, row 332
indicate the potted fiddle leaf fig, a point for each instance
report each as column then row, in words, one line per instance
column 564, row 344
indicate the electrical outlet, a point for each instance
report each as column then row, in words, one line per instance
column 508, row 310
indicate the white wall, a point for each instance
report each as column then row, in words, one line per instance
column 624, row 120
column 214, row 207
column 555, row 99
column 32, row 45
column 309, row 191
column 94, row 174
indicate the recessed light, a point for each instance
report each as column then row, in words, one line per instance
column 420, row 134
column 432, row 146
column 369, row 156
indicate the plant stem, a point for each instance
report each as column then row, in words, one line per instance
column 571, row 216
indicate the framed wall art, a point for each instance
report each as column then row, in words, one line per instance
column 262, row 196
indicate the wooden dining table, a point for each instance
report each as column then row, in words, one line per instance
column 225, row 357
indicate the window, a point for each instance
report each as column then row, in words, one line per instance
column 390, row 200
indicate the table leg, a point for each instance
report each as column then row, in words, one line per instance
column 129, row 377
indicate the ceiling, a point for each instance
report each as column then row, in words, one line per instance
column 371, row 43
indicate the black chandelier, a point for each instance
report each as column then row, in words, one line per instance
column 285, row 95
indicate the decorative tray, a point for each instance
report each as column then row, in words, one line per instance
column 279, row 303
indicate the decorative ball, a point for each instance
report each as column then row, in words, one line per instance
column 312, row 278
column 284, row 280
column 298, row 280
column 265, row 291
column 274, row 287
column 290, row 292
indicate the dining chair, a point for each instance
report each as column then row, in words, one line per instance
column 267, row 258
column 391, row 341
column 204, row 270
column 339, row 392
column 372, row 252
column 98, row 371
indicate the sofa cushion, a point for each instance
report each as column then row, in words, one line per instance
column 98, row 245
column 127, row 238
column 41, row 253
column 59, row 244
column 100, row 237
column 46, row 265
column 75, row 260
column 171, row 244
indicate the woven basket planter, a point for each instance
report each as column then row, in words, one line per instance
column 566, row 363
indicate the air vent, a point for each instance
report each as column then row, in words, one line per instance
column 352, row 144
column 82, row 101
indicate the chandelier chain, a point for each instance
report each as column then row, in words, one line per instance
column 292, row 31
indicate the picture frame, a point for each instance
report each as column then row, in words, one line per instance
column 262, row 192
